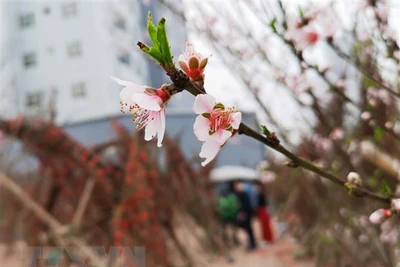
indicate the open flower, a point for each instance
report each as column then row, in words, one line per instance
column 214, row 125
column 192, row 63
column 146, row 105
column 379, row 216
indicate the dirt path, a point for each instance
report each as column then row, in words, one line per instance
column 278, row 254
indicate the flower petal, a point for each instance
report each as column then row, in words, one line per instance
column 152, row 125
column 150, row 102
column 161, row 128
column 236, row 120
column 204, row 103
column 183, row 66
column 208, row 151
column 201, row 128
column 126, row 95
column 221, row 136
column 133, row 86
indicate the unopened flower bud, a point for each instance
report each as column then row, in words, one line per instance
column 396, row 204
column 366, row 116
column 354, row 178
column 372, row 123
column 379, row 216
column 389, row 125
column 193, row 63
column 337, row 134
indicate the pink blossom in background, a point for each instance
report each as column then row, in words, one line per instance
column 379, row 216
column 214, row 125
column 389, row 233
column 323, row 144
column 306, row 37
column 147, row 107
column 340, row 83
column 268, row 177
column 297, row 83
column 389, row 125
column 366, row 116
column 337, row 134
column 396, row 204
column 374, row 94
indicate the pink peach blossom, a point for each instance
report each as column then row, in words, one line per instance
column 337, row 134
column 146, row 105
column 214, row 125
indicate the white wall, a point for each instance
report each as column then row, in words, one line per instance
column 100, row 43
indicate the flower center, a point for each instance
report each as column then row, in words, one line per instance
column 163, row 94
column 312, row 37
column 140, row 116
column 221, row 119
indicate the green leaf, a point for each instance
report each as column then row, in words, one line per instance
column 265, row 130
column 378, row 133
column 154, row 53
column 367, row 82
column 152, row 29
column 386, row 189
column 164, row 44
column 327, row 239
column 301, row 12
column 272, row 24
column 372, row 181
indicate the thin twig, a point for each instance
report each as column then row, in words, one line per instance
column 83, row 201
column 181, row 81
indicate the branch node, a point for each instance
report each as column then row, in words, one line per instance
column 291, row 164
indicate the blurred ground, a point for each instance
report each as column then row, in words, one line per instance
column 279, row 254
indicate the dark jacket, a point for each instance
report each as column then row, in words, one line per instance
column 245, row 204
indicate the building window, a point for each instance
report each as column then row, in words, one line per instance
column 69, row 10
column 74, row 49
column 78, row 90
column 27, row 20
column 46, row 10
column 29, row 60
column 34, row 99
column 124, row 58
column 120, row 23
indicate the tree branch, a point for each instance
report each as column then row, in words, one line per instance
column 181, row 81
column 54, row 225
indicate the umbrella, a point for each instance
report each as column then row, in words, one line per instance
column 229, row 173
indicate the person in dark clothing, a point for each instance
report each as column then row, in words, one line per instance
column 245, row 213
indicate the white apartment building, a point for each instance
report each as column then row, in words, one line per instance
column 64, row 52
